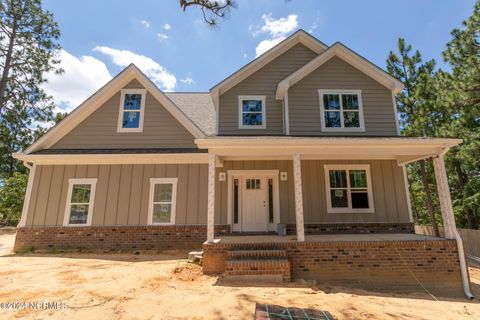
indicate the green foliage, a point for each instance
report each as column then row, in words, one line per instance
column 437, row 103
column 28, row 47
column 11, row 198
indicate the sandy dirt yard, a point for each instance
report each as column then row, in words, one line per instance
column 166, row 286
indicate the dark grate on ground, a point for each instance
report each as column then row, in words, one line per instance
column 273, row 312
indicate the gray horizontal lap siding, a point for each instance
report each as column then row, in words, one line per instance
column 304, row 101
column 122, row 193
column 99, row 130
column 263, row 82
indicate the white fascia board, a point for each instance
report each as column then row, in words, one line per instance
column 103, row 95
column 348, row 56
column 281, row 142
column 82, row 111
column 298, row 37
column 79, row 159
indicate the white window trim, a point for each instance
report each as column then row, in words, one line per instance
column 153, row 182
column 348, row 167
column 71, row 182
column 123, row 92
column 322, row 92
column 240, row 112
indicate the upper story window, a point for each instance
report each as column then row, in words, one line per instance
column 251, row 112
column 349, row 189
column 132, row 110
column 80, row 195
column 341, row 110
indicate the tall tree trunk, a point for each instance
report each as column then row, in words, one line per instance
column 8, row 62
column 428, row 194
column 462, row 181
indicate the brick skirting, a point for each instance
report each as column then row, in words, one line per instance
column 433, row 262
column 355, row 228
column 116, row 237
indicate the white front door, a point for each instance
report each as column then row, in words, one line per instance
column 254, row 203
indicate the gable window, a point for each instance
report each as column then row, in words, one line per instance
column 81, row 193
column 163, row 198
column 341, row 110
column 132, row 110
column 251, row 112
column 349, row 189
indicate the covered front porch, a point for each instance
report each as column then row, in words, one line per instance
column 399, row 250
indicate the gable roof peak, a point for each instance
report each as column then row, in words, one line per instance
column 340, row 50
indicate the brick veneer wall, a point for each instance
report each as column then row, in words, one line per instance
column 332, row 228
column 433, row 262
column 116, row 238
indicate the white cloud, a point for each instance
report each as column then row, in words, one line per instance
column 277, row 29
column 162, row 36
column 82, row 77
column 166, row 26
column 187, row 81
column 265, row 45
column 158, row 74
column 145, row 23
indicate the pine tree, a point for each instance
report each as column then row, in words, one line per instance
column 416, row 107
column 28, row 46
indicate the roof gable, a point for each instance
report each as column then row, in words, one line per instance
column 298, row 37
column 104, row 94
column 349, row 56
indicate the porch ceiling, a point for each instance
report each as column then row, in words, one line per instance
column 402, row 149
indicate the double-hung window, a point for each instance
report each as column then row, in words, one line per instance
column 251, row 112
column 163, row 198
column 341, row 110
column 80, row 196
column 132, row 110
column 349, row 189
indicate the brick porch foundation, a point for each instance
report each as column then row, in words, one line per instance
column 355, row 228
column 115, row 238
column 433, row 262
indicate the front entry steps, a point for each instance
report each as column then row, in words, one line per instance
column 257, row 265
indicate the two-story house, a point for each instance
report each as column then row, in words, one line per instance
column 303, row 140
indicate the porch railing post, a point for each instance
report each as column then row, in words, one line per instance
column 211, row 198
column 297, row 178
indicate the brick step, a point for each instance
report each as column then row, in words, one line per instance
column 256, row 254
column 258, row 269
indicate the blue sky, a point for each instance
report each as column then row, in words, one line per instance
column 181, row 53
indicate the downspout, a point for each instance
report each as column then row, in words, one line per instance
column 28, row 192
column 461, row 254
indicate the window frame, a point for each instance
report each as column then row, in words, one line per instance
column 240, row 112
column 74, row 181
column 153, row 182
column 348, row 168
column 361, row 128
column 141, row 111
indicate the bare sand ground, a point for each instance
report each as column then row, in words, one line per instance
column 165, row 286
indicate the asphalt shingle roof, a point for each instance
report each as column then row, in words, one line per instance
column 198, row 106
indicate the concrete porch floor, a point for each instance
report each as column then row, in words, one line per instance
column 326, row 238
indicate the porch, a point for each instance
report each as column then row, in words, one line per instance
column 400, row 260
column 393, row 258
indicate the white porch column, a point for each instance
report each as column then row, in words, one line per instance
column 211, row 198
column 297, row 178
column 449, row 219
column 444, row 196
